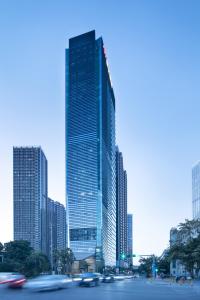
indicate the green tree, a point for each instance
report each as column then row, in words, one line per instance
column 164, row 265
column 16, row 253
column 35, row 264
column 20, row 257
column 177, row 251
column 191, row 258
column 189, row 229
column 1, row 247
column 187, row 247
column 146, row 264
column 63, row 260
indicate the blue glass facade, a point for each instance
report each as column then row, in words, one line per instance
column 196, row 191
column 130, row 237
column 56, row 227
column 90, row 150
column 30, row 196
column 121, row 209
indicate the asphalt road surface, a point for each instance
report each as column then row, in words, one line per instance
column 137, row 289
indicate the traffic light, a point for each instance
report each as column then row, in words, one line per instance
column 123, row 256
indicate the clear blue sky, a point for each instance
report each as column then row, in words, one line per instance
column 153, row 51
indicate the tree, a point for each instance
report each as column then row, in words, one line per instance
column 146, row 264
column 191, row 258
column 189, row 229
column 62, row 260
column 16, row 253
column 1, row 253
column 1, row 247
column 35, row 264
column 164, row 264
column 176, row 252
column 187, row 247
column 20, row 257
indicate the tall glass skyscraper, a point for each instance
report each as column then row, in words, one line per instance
column 90, row 150
column 56, row 227
column 196, row 191
column 121, row 209
column 30, row 196
column 130, row 237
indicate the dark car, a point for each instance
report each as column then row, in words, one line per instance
column 108, row 278
column 76, row 279
column 89, row 279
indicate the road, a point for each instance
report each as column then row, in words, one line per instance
column 137, row 289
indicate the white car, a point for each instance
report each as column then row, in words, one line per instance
column 49, row 282
column 119, row 277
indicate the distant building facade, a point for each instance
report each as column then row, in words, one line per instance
column 56, row 227
column 121, row 211
column 90, row 150
column 196, row 191
column 30, row 196
column 130, row 238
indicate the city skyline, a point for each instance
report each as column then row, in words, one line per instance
column 157, row 113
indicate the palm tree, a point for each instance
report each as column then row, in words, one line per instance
column 63, row 260
column 187, row 249
column 67, row 258
column 189, row 229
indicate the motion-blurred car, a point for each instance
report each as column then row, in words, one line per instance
column 100, row 276
column 76, row 278
column 119, row 277
column 16, row 281
column 89, row 280
column 108, row 278
column 129, row 276
column 4, row 277
column 12, row 280
column 49, row 282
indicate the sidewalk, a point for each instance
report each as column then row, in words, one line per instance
column 194, row 285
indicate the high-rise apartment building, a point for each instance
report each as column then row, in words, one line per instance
column 30, row 196
column 90, row 150
column 56, row 227
column 196, row 191
column 130, row 238
column 121, row 209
